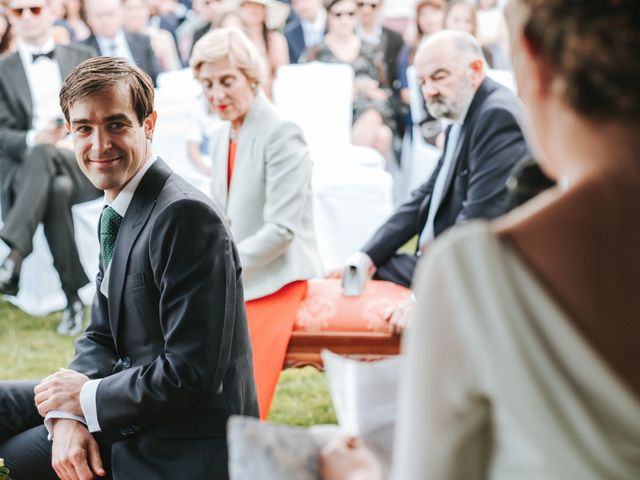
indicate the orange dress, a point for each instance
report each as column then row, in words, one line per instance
column 270, row 319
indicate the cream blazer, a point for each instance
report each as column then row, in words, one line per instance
column 499, row 384
column 269, row 203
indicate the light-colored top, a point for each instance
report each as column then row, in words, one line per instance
column 115, row 47
column 45, row 81
column 499, row 383
column 268, row 204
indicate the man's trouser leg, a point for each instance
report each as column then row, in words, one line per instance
column 398, row 269
column 52, row 183
column 23, row 437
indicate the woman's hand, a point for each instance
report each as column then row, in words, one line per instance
column 347, row 458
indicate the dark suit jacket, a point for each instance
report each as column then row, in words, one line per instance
column 199, row 33
column 490, row 145
column 141, row 50
column 171, row 341
column 391, row 43
column 16, row 111
column 295, row 40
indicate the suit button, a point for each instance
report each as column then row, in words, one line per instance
column 126, row 362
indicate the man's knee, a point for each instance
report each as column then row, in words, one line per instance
column 40, row 152
column 61, row 189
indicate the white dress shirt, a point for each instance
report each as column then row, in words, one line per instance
column 314, row 31
column 45, row 81
column 115, row 47
column 88, row 392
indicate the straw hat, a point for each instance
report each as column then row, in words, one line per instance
column 277, row 12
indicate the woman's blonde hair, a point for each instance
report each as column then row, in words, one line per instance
column 231, row 44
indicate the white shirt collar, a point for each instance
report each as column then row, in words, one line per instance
column 121, row 203
column 318, row 25
column 26, row 50
column 105, row 43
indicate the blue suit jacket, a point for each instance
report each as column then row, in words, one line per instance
column 490, row 146
column 295, row 40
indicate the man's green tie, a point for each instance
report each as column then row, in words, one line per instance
column 109, row 225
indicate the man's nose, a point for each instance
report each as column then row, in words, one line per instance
column 100, row 141
column 429, row 89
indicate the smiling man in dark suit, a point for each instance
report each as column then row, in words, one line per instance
column 483, row 145
column 39, row 176
column 108, row 38
column 166, row 358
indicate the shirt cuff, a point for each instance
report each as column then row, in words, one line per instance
column 31, row 138
column 55, row 414
column 88, row 404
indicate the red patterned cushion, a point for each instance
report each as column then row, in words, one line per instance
column 326, row 309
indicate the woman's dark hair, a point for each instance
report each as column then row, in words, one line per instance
column 593, row 51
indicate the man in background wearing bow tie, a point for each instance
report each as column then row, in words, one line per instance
column 40, row 179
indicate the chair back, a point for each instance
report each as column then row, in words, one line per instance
column 318, row 97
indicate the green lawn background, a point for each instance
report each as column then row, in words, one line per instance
column 31, row 349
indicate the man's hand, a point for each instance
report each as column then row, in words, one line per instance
column 400, row 315
column 60, row 391
column 74, row 452
column 51, row 134
column 348, row 459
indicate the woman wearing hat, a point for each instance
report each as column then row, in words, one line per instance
column 261, row 19
column 262, row 181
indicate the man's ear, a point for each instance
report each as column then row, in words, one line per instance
column 477, row 68
column 150, row 124
column 67, row 126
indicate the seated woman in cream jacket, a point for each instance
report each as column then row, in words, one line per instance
column 262, row 180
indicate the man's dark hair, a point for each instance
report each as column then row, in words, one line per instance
column 100, row 74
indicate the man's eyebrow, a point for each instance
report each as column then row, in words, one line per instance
column 110, row 118
column 117, row 116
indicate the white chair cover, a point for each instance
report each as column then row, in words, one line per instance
column 351, row 191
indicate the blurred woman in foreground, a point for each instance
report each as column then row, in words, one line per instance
column 262, row 180
column 522, row 356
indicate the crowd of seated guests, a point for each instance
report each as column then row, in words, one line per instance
column 551, row 313
column 149, row 34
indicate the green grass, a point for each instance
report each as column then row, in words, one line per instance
column 31, row 349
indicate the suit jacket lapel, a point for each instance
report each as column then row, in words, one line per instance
column 136, row 52
column 483, row 90
column 137, row 215
column 454, row 167
column 66, row 61
column 92, row 41
column 18, row 75
column 220, row 165
column 246, row 139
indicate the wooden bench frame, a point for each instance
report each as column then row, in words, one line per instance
column 305, row 347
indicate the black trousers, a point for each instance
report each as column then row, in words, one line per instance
column 27, row 451
column 23, row 436
column 48, row 185
column 398, row 269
